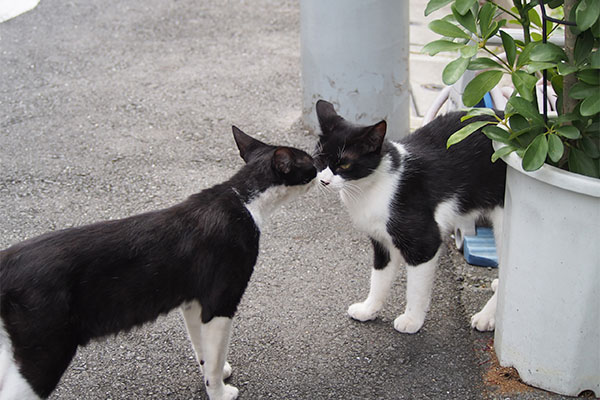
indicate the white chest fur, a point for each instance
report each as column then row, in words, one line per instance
column 369, row 200
column 264, row 203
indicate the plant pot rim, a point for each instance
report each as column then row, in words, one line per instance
column 555, row 176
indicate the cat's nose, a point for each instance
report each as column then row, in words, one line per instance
column 324, row 182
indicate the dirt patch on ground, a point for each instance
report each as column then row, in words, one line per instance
column 501, row 380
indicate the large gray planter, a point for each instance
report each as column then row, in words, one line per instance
column 548, row 315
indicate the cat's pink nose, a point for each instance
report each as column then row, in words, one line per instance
column 324, row 183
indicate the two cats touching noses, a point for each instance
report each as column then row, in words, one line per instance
column 64, row 288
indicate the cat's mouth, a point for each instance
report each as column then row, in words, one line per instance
column 327, row 180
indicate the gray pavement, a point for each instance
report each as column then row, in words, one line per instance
column 118, row 107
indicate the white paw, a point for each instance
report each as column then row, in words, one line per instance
column 227, row 370
column 227, row 392
column 483, row 321
column 230, row 393
column 495, row 285
column 362, row 312
column 407, row 324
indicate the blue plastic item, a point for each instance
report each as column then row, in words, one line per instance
column 486, row 102
column 481, row 249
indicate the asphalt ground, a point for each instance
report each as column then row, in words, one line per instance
column 113, row 108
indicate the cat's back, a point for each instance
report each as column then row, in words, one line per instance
column 464, row 171
column 433, row 137
column 429, row 145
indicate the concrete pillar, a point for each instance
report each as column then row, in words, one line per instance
column 355, row 55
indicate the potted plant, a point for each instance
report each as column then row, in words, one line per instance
column 548, row 319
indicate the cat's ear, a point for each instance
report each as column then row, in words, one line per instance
column 283, row 160
column 328, row 118
column 245, row 143
column 374, row 135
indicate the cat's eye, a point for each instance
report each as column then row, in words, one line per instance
column 344, row 166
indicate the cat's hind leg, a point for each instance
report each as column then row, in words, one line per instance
column 485, row 320
column 419, row 282
column 192, row 317
column 215, row 336
column 382, row 277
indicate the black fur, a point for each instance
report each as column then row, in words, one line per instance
column 62, row 289
column 431, row 173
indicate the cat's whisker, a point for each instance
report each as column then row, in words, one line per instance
column 352, row 191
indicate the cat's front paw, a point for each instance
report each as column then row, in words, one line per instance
column 226, row 392
column 408, row 324
column 362, row 312
column 227, row 370
column 484, row 321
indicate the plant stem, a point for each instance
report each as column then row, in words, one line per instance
column 499, row 59
column 504, row 9
column 569, row 80
column 524, row 21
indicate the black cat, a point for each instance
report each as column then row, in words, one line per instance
column 64, row 288
column 406, row 196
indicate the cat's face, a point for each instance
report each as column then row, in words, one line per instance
column 286, row 166
column 345, row 152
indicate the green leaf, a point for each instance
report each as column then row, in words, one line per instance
column 486, row 13
column 468, row 51
column 462, row 6
column 591, row 105
column 526, row 109
column 465, row 131
column 524, row 83
column 557, row 85
column 518, row 122
column 516, row 134
column 525, row 55
column 583, row 47
column 536, row 36
column 475, row 112
column 569, row 132
column 534, row 17
column 556, row 148
column 432, row 48
column 479, row 86
column 547, row 52
column 509, row 47
column 595, row 59
column 554, row 3
column 494, row 28
column 495, row 133
column 483, row 63
column 590, row 147
column 581, row 163
column 581, row 90
column 435, row 5
column 596, row 29
column 563, row 118
column 566, row 69
column 536, row 66
column 501, row 152
column 594, row 129
column 454, row 70
column 448, row 29
column 535, row 154
column 591, row 76
column 467, row 20
column 587, row 13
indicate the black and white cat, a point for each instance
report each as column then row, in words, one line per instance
column 407, row 196
column 62, row 289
